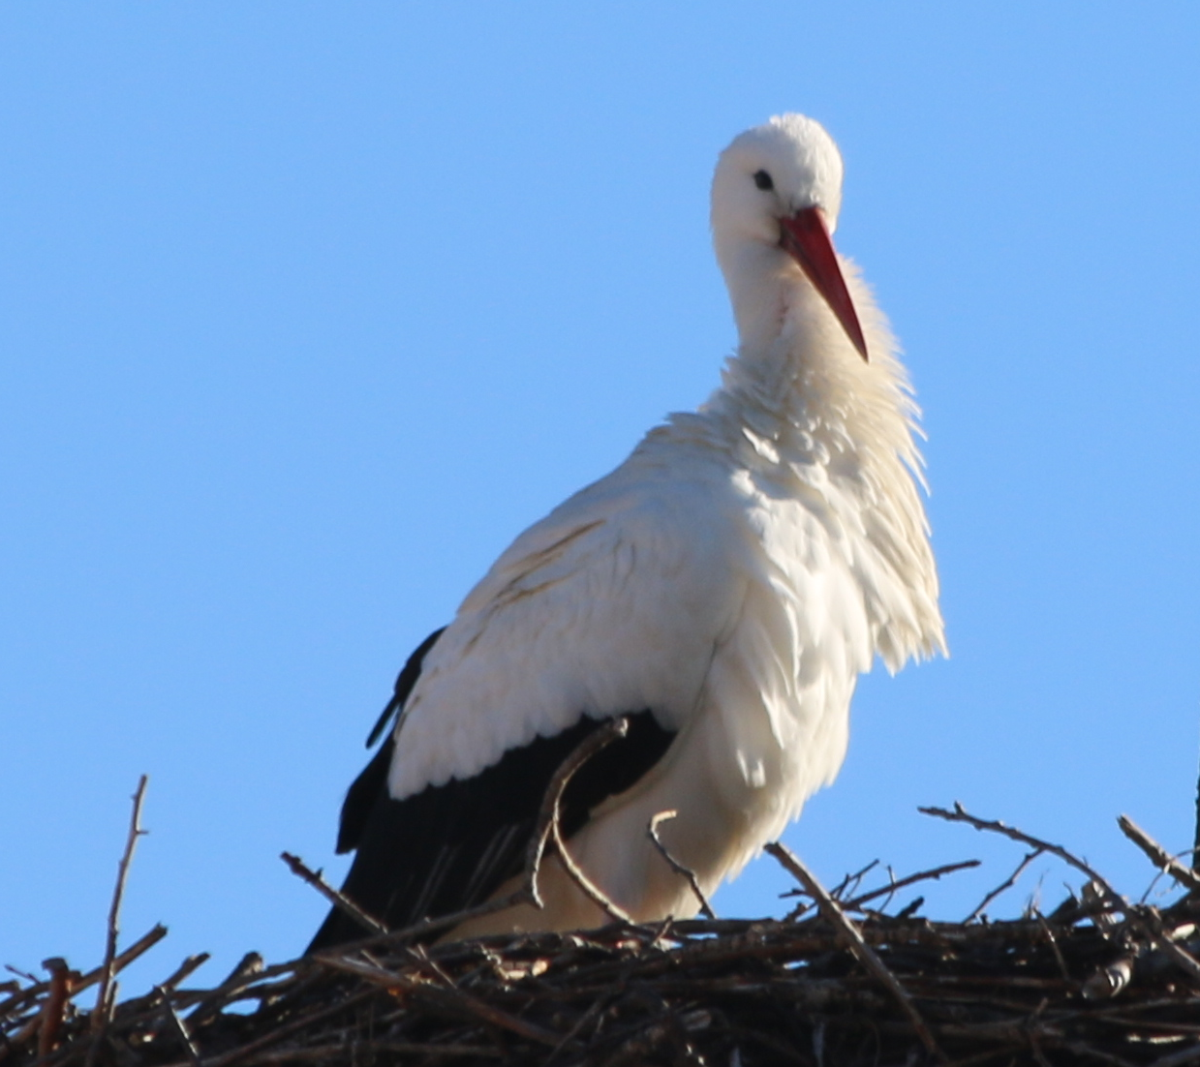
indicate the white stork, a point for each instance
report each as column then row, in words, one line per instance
column 724, row 586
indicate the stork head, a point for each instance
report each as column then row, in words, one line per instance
column 777, row 192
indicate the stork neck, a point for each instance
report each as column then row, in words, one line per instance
column 796, row 378
column 759, row 278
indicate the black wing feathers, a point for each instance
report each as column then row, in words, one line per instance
column 450, row 847
column 360, row 797
column 405, row 681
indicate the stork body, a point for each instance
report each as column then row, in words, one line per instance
column 725, row 585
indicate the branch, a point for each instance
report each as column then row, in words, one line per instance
column 457, row 1000
column 55, row 1007
column 592, row 891
column 858, row 946
column 246, row 971
column 676, row 866
column 192, row 963
column 179, row 1026
column 104, row 999
column 960, row 814
column 1151, row 921
column 1049, row 935
column 931, row 875
column 1012, row 880
column 546, row 827
column 339, row 900
column 1196, row 837
column 1159, row 856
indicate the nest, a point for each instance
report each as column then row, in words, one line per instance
column 838, row 982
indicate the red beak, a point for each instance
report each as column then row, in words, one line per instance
column 806, row 239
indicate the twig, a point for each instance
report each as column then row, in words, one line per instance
column 179, row 1026
column 339, row 900
column 192, row 963
column 848, row 882
column 427, row 926
column 452, row 998
column 421, row 957
column 592, row 891
column 1007, row 884
column 1159, row 856
column 1062, row 963
column 1196, row 835
column 931, row 875
column 248, row 969
column 891, row 889
column 910, row 909
column 675, row 865
column 546, row 827
column 960, row 814
column 55, row 1006
column 1150, row 920
column 23, row 974
column 853, row 881
column 104, row 999
column 298, row 1023
column 858, row 946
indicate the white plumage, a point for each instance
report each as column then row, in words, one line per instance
column 733, row 576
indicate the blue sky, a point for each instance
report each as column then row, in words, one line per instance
column 307, row 309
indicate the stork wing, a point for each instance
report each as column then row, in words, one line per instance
column 613, row 603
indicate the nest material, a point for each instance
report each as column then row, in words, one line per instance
column 1098, row 981
column 1078, row 986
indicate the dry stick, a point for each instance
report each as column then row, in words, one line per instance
column 547, row 826
column 921, row 876
column 1159, row 856
column 852, row 881
column 1062, row 963
column 55, row 1007
column 589, row 888
column 675, row 865
column 544, row 829
column 104, row 999
column 192, row 963
column 421, row 958
column 891, row 889
column 1007, row 884
column 1150, row 919
column 289, row 1028
column 430, row 926
column 339, row 900
column 844, row 886
column 246, row 971
column 1196, row 836
column 865, row 954
column 960, row 814
column 445, row 998
column 178, row 1025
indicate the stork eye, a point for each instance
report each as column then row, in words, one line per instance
column 763, row 180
